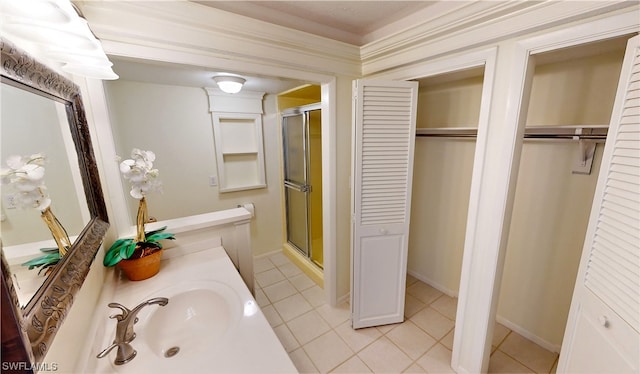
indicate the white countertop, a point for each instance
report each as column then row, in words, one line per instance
column 250, row 346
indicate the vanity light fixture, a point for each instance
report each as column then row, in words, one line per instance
column 55, row 32
column 229, row 83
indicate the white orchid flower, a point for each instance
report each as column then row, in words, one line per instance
column 44, row 204
column 26, row 174
column 15, row 162
column 33, row 172
column 125, row 166
column 138, row 170
column 35, row 199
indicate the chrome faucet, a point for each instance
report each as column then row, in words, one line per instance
column 124, row 330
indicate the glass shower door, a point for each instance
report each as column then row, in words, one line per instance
column 296, row 180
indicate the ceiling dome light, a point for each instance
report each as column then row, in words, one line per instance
column 229, row 84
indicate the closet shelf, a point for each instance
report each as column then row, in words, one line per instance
column 590, row 132
column 448, row 132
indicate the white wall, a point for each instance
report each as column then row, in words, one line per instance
column 576, row 90
column 450, row 100
column 175, row 123
column 439, row 205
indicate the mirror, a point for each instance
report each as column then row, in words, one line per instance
column 27, row 332
column 23, row 232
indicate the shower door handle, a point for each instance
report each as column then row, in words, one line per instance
column 298, row 187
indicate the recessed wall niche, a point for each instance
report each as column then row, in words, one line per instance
column 237, row 129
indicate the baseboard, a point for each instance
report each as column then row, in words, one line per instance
column 437, row 286
column 270, row 253
column 344, row 298
column 527, row 334
column 510, row 325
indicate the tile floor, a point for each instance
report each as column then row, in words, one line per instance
column 319, row 338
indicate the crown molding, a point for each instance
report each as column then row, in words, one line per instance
column 224, row 39
column 434, row 24
column 475, row 25
column 182, row 26
column 429, row 14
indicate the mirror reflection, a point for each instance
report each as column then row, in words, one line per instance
column 31, row 124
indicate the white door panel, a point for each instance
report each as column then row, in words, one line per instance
column 602, row 334
column 382, row 168
column 381, row 293
column 602, row 342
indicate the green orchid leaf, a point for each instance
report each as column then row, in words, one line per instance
column 48, row 260
column 122, row 244
column 34, row 262
column 149, row 233
column 118, row 243
column 160, row 236
column 127, row 250
column 43, row 259
column 111, row 258
column 117, row 251
column 49, row 250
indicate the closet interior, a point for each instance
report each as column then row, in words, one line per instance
column 572, row 90
column 448, row 107
column 570, row 99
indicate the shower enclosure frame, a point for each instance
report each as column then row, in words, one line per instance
column 298, row 186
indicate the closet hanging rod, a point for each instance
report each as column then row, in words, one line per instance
column 594, row 133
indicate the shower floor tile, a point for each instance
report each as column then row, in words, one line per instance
column 319, row 338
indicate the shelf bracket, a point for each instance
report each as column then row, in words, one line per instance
column 586, row 152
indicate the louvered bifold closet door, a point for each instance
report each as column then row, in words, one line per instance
column 604, row 321
column 384, row 137
column 613, row 271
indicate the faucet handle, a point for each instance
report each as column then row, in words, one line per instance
column 125, row 352
column 124, row 309
column 106, row 351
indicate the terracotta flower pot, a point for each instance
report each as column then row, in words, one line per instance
column 141, row 268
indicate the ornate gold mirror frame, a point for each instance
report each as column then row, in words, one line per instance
column 27, row 333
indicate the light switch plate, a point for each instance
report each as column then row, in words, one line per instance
column 9, row 201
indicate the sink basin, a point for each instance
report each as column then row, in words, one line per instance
column 197, row 318
column 211, row 323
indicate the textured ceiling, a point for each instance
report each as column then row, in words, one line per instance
column 353, row 22
column 191, row 76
